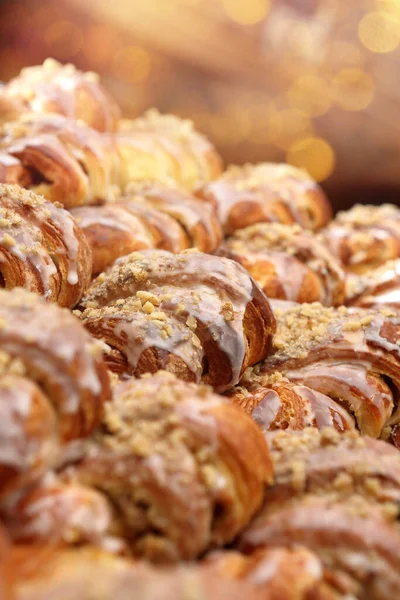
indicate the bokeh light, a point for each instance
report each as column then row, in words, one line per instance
column 313, row 154
column 311, row 95
column 378, row 32
column 353, row 89
column 249, row 12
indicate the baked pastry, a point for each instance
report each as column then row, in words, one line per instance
column 267, row 192
column 90, row 573
column 53, row 385
column 64, row 160
column 338, row 467
column 364, row 237
column 41, row 248
column 359, row 549
column 6, row 577
column 277, row 573
column 183, row 468
column 149, row 216
column 199, row 316
column 275, row 403
column 351, row 356
column 288, row 263
column 164, row 148
column 53, row 513
column 56, row 88
column 376, row 288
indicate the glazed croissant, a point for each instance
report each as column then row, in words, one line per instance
column 364, row 237
column 149, row 216
column 275, row 403
column 288, row 263
column 164, row 148
column 180, row 469
column 62, row 89
column 267, row 192
column 351, row 356
column 377, row 288
column 199, row 316
column 53, row 385
column 41, row 248
column 64, row 160
column 336, row 495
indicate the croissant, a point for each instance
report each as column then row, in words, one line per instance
column 351, row 356
column 41, row 248
column 364, row 237
column 288, row 262
column 267, row 192
column 377, row 288
column 150, row 216
column 338, row 467
column 64, row 160
column 276, row 403
column 53, row 384
column 6, row 578
column 164, row 148
column 359, row 548
column 199, row 316
column 55, row 88
column 183, row 469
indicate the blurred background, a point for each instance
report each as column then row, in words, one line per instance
column 312, row 82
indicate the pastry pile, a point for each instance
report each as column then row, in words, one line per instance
column 199, row 368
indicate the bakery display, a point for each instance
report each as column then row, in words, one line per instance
column 199, row 369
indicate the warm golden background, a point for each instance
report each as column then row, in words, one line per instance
column 313, row 82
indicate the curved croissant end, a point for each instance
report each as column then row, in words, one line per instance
column 53, row 385
column 41, row 248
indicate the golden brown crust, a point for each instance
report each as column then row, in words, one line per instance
column 6, row 572
column 267, row 192
column 149, row 216
column 41, row 248
column 184, row 468
column 55, row 88
column 364, row 237
column 64, row 385
column 360, row 550
column 281, row 404
column 214, row 298
column 288, row 263
column 64, row 160
column 351, row 356
column 164, row 148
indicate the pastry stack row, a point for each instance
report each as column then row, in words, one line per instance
column 199, row 368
